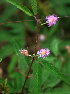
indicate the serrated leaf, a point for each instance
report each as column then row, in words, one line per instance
column 55, row 71
column 45, row 74
column 37, row 77
column 34, row 6
column 50, row 58
column 20, row 6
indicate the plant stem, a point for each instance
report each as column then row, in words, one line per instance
column 22, row 91
column 38, row 34
column 27, row 76
column 16, row 22
column 39, row 63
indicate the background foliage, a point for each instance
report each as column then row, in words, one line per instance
column 14, row 36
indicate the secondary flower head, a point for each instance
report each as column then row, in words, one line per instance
column 43, row 53
column 51, row 20
column 24, row 52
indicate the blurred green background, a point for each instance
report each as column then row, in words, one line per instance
column 55, row 38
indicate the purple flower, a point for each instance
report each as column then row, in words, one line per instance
column 43, row 53
column 51, row 20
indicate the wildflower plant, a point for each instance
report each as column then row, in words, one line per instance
column 40, row 60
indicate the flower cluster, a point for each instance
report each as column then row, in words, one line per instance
column 43, row 53
column 51, row 20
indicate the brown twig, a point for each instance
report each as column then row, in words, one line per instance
column 38, row 34
column 22, row 72
column 39, row 63
column 16, row 22
column 27, row 76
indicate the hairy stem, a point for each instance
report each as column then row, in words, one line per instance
column 38, row 34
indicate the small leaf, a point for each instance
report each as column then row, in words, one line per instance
column 55, row 71
column 20, row 6
column 34, row 6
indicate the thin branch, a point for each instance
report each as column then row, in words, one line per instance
column 38, row 34
column 22, row 91
column 16, row 22
column 27, row 76
column 39, row 63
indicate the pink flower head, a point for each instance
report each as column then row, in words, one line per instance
column 43, row 53
column 51, row 20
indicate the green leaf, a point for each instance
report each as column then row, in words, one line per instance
column 6, row 51
column 54, row 46
column 18, row 81
column 22, row 65
column 34, row 6
column 50, row 58
column 61, row 91
column 53, row 30
column 51, row 81
column 7, row 13
column 12, row 63
column 37, row 77
column 20, row 6
column 55, row 71
column 45, row 74
column 22, row 62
